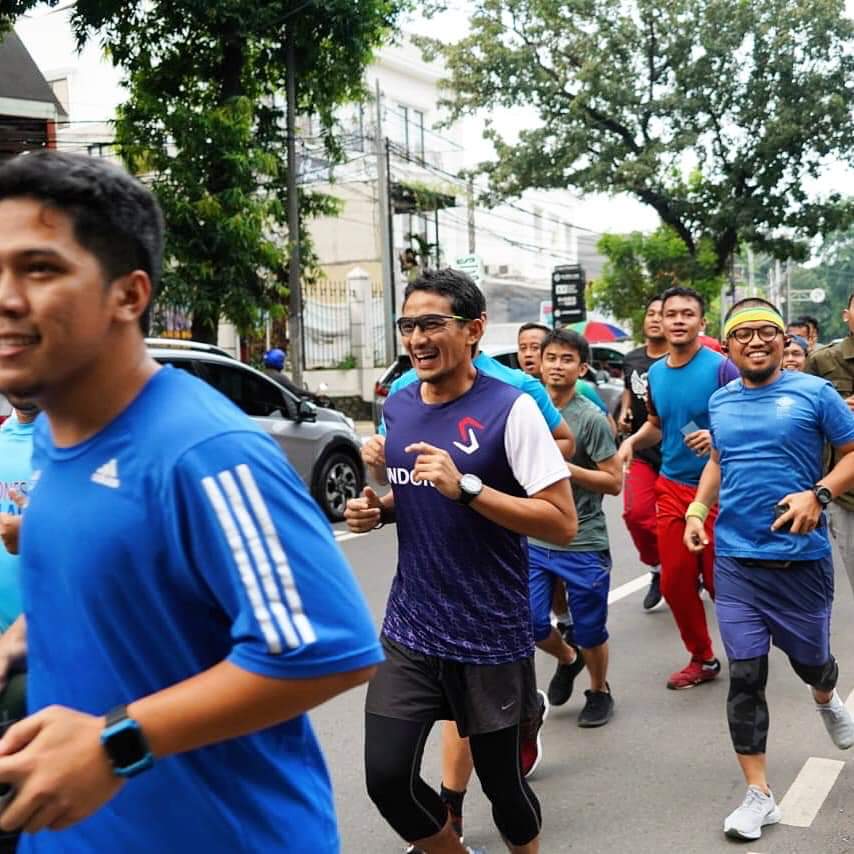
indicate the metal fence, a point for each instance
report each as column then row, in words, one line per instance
column 326, row 325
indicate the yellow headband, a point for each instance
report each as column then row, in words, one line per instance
column 751, row 315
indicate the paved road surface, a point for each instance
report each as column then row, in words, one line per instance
column 661, row 776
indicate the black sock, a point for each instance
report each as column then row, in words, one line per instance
column 453, row 799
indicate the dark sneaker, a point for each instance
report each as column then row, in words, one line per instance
column 653, row 595
column 695, row 673
column 531, row 744
column 560, row 688
column 598, row 709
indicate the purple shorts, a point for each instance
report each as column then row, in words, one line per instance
column 787, row 607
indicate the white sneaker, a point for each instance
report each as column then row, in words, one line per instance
column 757, row 810
column 837, row 721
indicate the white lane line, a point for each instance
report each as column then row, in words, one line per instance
column 849, row 703
column 628, row 588
column 341, row 536
column 807, row 794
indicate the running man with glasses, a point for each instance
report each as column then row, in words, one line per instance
column 773, row 569
column 473, row 471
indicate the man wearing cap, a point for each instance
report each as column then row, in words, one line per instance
column 773, row 569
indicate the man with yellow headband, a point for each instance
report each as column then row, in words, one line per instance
column 773, row 570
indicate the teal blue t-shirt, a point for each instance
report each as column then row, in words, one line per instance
column 16, row 449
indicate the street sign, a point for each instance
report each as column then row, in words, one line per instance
column 472, row 266
column 568, row 306
column 817, row 295
column 799, row 296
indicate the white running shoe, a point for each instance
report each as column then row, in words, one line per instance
column 837, row 721
column 757, row 810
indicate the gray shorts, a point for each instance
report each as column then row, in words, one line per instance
column 480, row 698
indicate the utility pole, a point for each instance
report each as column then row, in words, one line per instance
column 788, row 290
column 385, row 232
column 470, row 205
column 751, row 285
column 294, row 284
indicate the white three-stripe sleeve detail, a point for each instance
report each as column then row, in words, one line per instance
column 271, row 536
column 256, row 547
column 244, row 568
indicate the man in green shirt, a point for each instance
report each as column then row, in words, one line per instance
column 584, row 565
column 835, row 363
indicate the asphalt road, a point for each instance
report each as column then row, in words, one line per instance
column 661, row 776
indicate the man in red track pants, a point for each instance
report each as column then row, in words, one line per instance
column 680, row 386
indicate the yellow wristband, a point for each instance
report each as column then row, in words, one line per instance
column 698, row 510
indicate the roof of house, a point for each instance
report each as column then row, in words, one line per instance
column 20, row 77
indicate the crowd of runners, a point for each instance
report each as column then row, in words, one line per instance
column 172, row 601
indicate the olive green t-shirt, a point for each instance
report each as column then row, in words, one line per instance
column 594, row 443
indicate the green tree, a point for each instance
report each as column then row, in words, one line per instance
column 713, row 112
column 641, row 266
column 834, row 273
column 204, row 125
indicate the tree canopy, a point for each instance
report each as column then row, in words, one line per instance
column 642, row 266
column 204, row 125
column 716, row 113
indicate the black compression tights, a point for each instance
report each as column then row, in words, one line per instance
column 393, row 751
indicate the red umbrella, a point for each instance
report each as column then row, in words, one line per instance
column 598, row 332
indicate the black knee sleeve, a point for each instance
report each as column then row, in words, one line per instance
column 747, row 711
column 821, row 676
column 393, row 751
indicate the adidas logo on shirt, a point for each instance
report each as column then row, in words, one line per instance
column 108, row 475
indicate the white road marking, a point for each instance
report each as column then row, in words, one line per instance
column 342, row 536
column 807, row 794
column 628, row 588
column 849, row 703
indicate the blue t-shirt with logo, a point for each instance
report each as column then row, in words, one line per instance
column 679, row 397
column 493, row 368
column 176, row 538
column 770, row 441
column 16, row 448
column 461, row 588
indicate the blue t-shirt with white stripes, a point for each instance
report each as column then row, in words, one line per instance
column 175, row 538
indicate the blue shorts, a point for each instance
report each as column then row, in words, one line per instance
column 787, row 607
column 588, row 579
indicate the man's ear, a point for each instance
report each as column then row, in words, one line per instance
column 131, row 294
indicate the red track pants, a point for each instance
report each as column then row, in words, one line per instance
column 681, row 570
column 639, row 510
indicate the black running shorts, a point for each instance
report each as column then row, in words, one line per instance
column 480, row 698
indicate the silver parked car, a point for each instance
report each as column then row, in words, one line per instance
column 321, row 444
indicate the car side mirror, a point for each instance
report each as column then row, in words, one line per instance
column 306, row 411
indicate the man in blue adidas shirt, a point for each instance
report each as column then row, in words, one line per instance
column 773, row 569
column 472, row 468
column 172, row 547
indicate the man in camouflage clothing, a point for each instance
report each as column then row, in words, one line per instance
column 835, row 363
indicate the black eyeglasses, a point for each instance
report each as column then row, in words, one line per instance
column 744, row 334
column 427, row 323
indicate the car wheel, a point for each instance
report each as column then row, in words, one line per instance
column 338, row 480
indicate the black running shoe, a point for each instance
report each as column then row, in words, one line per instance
column 560, row 688
column 653, row 595
column 598, row 709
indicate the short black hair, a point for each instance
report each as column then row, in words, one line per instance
column 688, row 293
column 465, row 296
column 113, row 215
column 527, row 327
column 749, row 302
column 798, row 322
column 811, row 321
column 568, row 338
column 650, row 301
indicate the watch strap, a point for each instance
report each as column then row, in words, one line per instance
column 119, row 713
